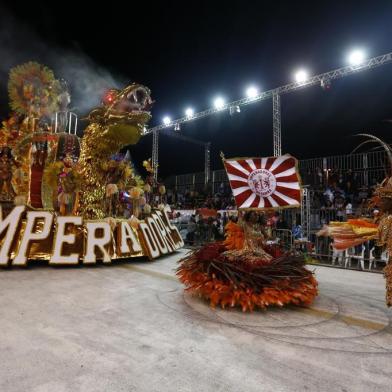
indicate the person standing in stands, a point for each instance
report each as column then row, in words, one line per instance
column 349, row 208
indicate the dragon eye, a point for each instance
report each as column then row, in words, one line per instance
column 109, row 97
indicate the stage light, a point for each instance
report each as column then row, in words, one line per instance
column 325, row 84
column 251, row 92
column 177, row 127
column 166, row 120
column 219, row 103
column 189, row 112
column 356, row 57
column 234, row 110
column 301, row 76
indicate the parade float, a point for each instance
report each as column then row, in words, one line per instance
column 69, row 199
column 245, row 270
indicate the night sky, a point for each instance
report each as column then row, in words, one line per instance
column 189, row 52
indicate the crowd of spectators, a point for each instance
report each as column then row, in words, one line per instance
column 343, row 191
column 335, row 196
column 196, row 228
column 338, row 195
column 221, row 199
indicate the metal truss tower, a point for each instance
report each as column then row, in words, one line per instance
column 155, row 148
column 305, row 213
column 276, row 125
column 168, row 132
column 207, row 164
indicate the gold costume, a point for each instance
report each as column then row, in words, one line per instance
column 384, row 193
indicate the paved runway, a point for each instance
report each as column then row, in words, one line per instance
column 130, row 327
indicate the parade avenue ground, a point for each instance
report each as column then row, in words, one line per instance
column 129, row 326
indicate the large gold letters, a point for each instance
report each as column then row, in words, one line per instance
column 67, row 240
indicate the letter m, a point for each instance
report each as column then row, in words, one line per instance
column 8, row 228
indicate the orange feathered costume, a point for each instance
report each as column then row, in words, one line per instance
column 235, row 237
column 246, row 281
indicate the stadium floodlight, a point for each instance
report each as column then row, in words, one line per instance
column 356, row 57
column 219, row 103
column 251, row 92
column 189, row 112
column 166, row 120
column 301, row 76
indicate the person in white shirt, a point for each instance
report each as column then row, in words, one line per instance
column 349, row 207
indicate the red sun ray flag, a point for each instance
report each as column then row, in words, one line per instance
column 264, row 183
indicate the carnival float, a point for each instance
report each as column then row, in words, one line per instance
column 69, row 199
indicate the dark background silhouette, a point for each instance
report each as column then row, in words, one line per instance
column 189, row 52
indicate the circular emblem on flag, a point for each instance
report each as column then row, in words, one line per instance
column 262, row 182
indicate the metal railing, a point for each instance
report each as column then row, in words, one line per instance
column 322, row 252
column 365, row 168
column 283, row 237
column 317, row 250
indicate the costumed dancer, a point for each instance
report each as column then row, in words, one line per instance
column 64, row 180
column 242, row 270
column 7, row 162
column 384, row 193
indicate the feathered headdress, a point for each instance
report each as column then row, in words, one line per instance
column 148, row 166
column 384, row 190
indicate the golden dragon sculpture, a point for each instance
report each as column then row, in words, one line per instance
column 119, row 122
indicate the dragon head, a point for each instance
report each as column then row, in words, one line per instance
column 124, row 113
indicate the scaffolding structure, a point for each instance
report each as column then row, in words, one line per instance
column 367, row 168
column 305, row 213
column 276, row 125
column 168, row 132
column 155, row 152
column 207, row 164
column 321, row 80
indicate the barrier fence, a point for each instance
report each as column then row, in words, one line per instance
column 317, row 250
column 362, row 169
column 366, row 169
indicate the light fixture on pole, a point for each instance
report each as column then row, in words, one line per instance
column 234, row 110
column 219, row 103
column 356, row 57
column 325, row 83
column 166, row 120
column 301, row 76
column 252, row 92
column 189, row 112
